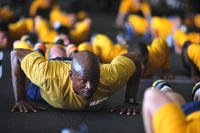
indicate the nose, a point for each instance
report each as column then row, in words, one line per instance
column 88, row 85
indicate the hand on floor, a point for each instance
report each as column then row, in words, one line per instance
column 127, row 109
column 25, row 106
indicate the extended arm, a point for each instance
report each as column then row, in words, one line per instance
column 129, row 108
column 18, row 81
column 18, row 76
column 133, row 83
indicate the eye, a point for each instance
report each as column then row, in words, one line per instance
column 83, row 81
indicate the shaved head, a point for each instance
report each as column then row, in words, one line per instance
column 85, row 74
column 85, row 63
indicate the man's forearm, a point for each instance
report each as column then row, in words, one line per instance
column 133, row 84
column 18, row 76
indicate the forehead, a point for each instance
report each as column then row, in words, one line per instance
column 88, row 75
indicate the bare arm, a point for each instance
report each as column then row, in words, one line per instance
column 120, row 20
column 130, row 106
column 133, row 83
column 18, row 76
column 18, row 82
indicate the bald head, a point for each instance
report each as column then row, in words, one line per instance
column 85, row 74
column 85, row 63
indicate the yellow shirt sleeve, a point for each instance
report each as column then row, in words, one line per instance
column 53, row 79
column 194, row 54
column 127, row 6
column 38, row 4
column 194, row 37
column 39, row 70
column 114, row 75
column 57, row 15
column 23, row 45
column 23, row 26
column 45, row 33
column 81, row 31
column 179, row 38
column 162, row 26
column 158, row 57
column 138, row 23
column 104, row 45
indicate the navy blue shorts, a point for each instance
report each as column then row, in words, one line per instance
column 191, row 107
column 33, row 92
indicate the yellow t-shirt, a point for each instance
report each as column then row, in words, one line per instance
column 81, row 31
column 193, row 52
column 139, row 24
column 57, row 15
column 56, row 86
column 21, row 27
column 194, row 37
column 23, row 45
column 38, row 4
column 112, row 77
column 170, row 118
column 106, row 49
column 158, row 57
column 53, row 79
column 179, row 38
column 45, row 32
column 127, row 6
column 162, row 25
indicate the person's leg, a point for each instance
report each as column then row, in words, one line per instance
column 56, row 51
column 159, row 110
column 153, row 100
column 164, row 87
column 176, row 98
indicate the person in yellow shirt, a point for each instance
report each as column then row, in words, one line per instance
column 13, row 31
column 81, row 84
column 43, row 7
column 132, row 6
column 158, row 58
column 156, row 55
column 78, row 33
column 190, row 55
column 180, row 37
column 103, row 47
column 162, row 112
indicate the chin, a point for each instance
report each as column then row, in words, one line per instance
column 86, row 97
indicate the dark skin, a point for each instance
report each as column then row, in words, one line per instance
column 143, row 50
column 132, row 88
column 83, row 82
column 18, row 81
column 85, row 76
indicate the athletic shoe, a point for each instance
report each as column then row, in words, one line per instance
column 195, row 88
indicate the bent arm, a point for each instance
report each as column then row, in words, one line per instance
column 18, row 76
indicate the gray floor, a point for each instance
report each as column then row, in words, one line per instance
column 53, row 121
